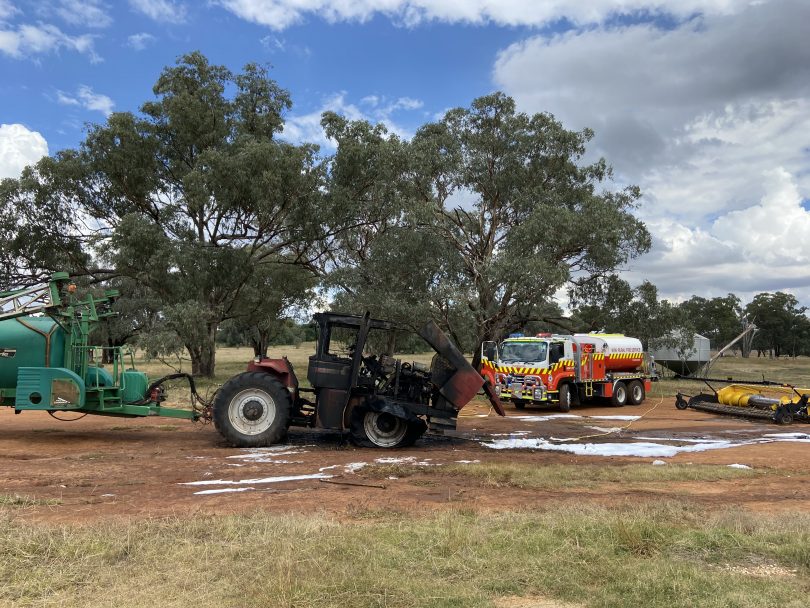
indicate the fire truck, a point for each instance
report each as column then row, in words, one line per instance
column 566, row 370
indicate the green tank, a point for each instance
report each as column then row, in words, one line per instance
column 29, row 342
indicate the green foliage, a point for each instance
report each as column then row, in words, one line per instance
column 610, row 304
column 783, row 326
column 495, row 211
column 194, row 200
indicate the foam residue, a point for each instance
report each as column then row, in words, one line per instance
column 628, row 418
column 222, row 491
column 230, row 482
column 270, row 454
column 544, row 418
column 802, row 437
column 648, row 448
column 739, row 466
column 407, row 460
column 643, row 449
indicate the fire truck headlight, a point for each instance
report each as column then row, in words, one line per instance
column 497, row 389
column 539, row 393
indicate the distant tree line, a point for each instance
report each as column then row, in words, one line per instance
column 783, row 328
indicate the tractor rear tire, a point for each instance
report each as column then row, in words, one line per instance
column 635, row 392
column 370, row 429
column 252, row 410
column 619, row 397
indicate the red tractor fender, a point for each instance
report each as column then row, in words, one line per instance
column 280, row 369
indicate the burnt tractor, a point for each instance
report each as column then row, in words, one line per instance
column 381, row 401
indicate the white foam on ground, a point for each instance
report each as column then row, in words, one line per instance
column 672, row 439
column 407, row 460
column 739, row 466
column 658, row 463
column 640, row 448
column 544, row 418
column 353, row 467
column 643, row 449
column 222, row 491
column 628, row 418
column 802, row 437
column 601, row 429
column 230, row 482
column 468, row 461
column 266, row 454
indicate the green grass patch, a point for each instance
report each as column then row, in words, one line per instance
column 667, row 555
column 549, row 477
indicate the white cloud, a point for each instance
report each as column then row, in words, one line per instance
column 140, row 41
column 29, row 40
column 19, row 147
column 88, row 99
column 744, row 252
column 711, row 118
column 280, row 14
column 90, row 13
column 161, row 10
column 7, row 9
column 307, row 127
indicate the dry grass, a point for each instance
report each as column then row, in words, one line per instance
column 553, row 477
column 667, row 555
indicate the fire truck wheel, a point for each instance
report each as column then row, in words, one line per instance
column 619, row 394
column 252, row 410
column 566, row 398
column 635, row 392
column 519, row 404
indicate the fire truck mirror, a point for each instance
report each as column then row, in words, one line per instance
column 489, row 350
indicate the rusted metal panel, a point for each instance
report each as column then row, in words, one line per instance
column 460, row 388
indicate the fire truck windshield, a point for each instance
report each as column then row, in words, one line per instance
column 512, row 352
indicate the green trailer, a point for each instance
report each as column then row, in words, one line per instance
column 47, row 364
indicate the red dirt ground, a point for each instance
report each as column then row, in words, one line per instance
column 99, row 468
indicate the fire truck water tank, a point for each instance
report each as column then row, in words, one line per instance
column 621, row 352
column 29, row 342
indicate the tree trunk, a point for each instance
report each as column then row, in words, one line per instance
column 259, row 340
column 203, row 356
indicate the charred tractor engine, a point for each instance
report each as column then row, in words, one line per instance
column 379, row 400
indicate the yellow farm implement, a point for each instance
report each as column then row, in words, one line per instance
column 782, row 403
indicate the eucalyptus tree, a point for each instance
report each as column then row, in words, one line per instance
column 520, row 211
column 477, row 220
column 194, row 198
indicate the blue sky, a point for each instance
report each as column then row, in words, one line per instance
column 703, row 103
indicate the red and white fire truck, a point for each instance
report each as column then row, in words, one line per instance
column 568, row 370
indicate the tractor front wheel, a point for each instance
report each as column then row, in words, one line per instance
column 383, row 429
column 252, row 410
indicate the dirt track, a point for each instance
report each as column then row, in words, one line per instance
column 100, row 468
